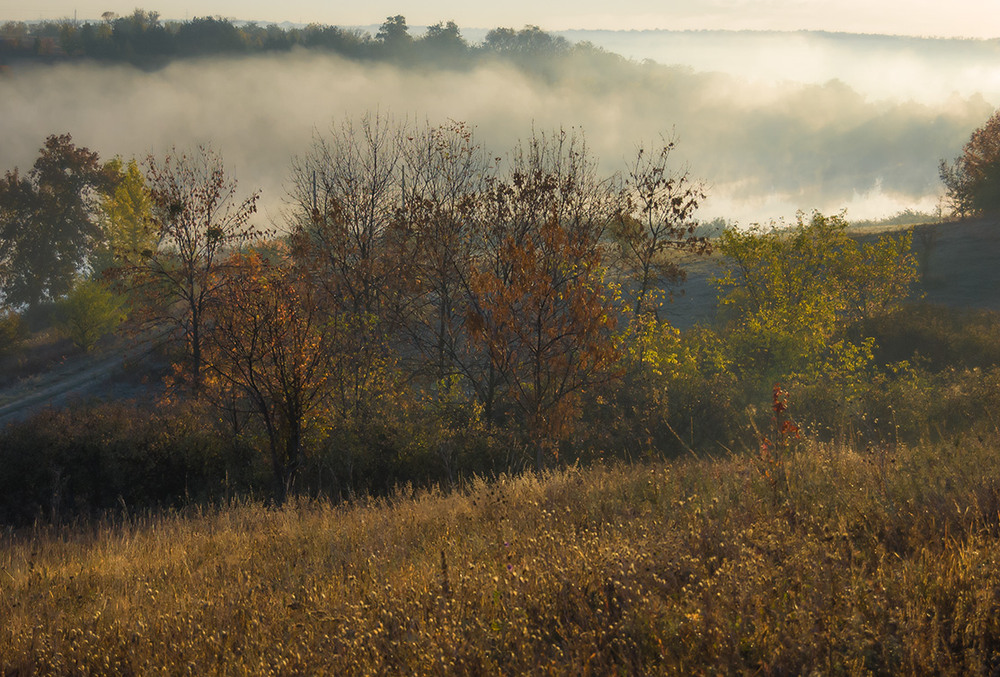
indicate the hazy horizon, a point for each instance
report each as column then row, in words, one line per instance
column 959, row 18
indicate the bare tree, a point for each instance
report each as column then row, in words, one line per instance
column 654, row 223
column 447, row 179
column 198, row 220
column 346, row 194
column 346, row 238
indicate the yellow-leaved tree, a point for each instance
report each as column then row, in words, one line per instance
column 788, row 294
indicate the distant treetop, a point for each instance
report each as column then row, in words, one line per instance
column 144, row 40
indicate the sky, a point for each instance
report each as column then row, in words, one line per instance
column 932, row 18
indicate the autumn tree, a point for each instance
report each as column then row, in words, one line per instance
column 542, row 308
column 49, row 221
column 198, row 221
column 269, row 344
column 973, row 179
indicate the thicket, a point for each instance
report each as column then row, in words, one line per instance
column 433, row 312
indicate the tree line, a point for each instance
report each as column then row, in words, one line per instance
column 423, row 283
column 429, row 303
column 143, row 39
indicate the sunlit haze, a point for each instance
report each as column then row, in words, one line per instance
column 959, row 18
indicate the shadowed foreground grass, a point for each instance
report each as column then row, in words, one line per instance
column 837, row 561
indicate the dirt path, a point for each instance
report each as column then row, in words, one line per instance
column 100, row 375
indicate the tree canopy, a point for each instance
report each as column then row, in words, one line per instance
column 143, row 39
column 973, row 179
column 49, row 221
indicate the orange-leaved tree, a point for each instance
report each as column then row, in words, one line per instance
column 541, row 307
column 268, row 345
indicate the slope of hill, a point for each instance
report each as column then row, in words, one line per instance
column 959, row 261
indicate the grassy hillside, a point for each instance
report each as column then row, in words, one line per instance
column 825, row 559
column 850, row 527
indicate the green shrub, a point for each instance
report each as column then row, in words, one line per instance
column 89, row 312
column 12, row 332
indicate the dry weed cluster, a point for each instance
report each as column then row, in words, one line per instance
column 866, row 561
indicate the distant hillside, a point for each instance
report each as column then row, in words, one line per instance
column 880, row 66
column 962, row 264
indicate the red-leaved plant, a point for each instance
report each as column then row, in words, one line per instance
column 774, row 449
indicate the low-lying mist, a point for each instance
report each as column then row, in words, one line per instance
column 926, row 70
column 763, row 149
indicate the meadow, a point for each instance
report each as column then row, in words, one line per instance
column 822, row 558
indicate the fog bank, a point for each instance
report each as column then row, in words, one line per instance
column 765, row 148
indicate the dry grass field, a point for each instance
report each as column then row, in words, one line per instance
column 822, row 560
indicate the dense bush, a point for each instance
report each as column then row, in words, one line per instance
column 12, row 332
column 93, row 458
column 936, row 337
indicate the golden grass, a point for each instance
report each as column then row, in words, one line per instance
column 874, row 561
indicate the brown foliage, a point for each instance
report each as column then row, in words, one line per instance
column 540, row 304
column 267, row 344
